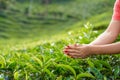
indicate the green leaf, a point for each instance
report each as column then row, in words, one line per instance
column 48, row 72
column 81, row 75
column 16, row 75
column 97, row 73
column 106, row 64
column 91, row 64
column 67, row 67
column 2, row 61
column 105, row 78
column 38, row 60
column 116, row 71
column 59, row 78
column 98, row 65
column 48, row 63
column 31, row 67
column 26, row 75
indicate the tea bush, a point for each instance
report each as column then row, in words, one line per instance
column 47, row 61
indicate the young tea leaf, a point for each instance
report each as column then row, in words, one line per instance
column 38, row 60
column 49, row 73
column 16, row 75
column 88, row 75
column 59, row 78
column 67, row 67
column 2, row 62
column 91, row 64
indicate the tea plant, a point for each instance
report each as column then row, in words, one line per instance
column 47, row 61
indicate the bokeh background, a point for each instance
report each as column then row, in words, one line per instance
column 33, row 34
column 28, row 21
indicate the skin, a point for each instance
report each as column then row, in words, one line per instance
column 102, row 45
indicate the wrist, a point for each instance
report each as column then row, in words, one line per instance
column 89, row 49
column 92, row 49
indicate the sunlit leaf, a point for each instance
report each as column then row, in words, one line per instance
column 59, row 78
column 105, row 78
column 48, row 72
column 38, row 60
column 68, row 68
column 30, row 67
column 2, row 62
column 16, row 75
column 91, row 64
column 85, row 75
column 48, row 63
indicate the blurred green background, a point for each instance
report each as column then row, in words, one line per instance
column 29, row 21
column 33, row 34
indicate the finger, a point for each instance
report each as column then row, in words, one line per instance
column 73, row 56
column 83, row 56
column 77, row 45
column 72, row 48
column 77, row 55
column 71, row 51
column 70, row 55
column 67, row 47
column 65, row 52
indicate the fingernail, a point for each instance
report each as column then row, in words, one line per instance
column 68, row 46
column 66, row 51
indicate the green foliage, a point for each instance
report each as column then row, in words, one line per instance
column 44, row 60
column 67, row 67
column 15, row 22
column 47, row 61
column 4, row 4
column 2, row 62
column 85, row 75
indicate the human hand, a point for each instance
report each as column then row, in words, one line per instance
column 77, row 51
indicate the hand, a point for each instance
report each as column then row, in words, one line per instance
column 77, row 51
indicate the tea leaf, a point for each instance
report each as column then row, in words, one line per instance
column 48, row 72
column 2, row 61
column 38, row 60
column 67, row 67
column 59, row 78
column 31, row 67
column 81, row 75
column 91, row 64
column 16, row 75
